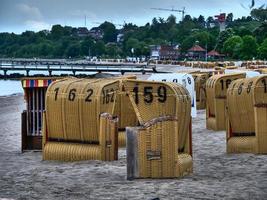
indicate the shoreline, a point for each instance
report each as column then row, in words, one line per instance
column 10, row 95
column 216, row 175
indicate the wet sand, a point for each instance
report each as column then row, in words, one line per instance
column 216, row 174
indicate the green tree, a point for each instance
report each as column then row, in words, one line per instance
column 232, row 46
column 173, row 35
column 263, row 49
column 99, row 48
column 261, row 32
column 204, row 38
column 129, row 27
column 209, row 21
column 73, row 50
column 223, row 36
column 242, row 31
column 229, row 17
column 87, row 46
column 59, row 50
column 64, row 41
column 145, row 49
column 130, row 44
column 57, row 31
column 259, row 14
column 187, row 18
column 201, row 21
column 171, row 21
column 45, row 49
column 142, row 49
column 187, row 43
column 249, row 47
column 110, row 33
column 112, row 50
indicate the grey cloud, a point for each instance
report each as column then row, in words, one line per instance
column 29, row 11
column 35, row 14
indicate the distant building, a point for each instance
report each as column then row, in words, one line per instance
column 221, row 19
column 196, row 53
column 96, row 33
column 215, row 55
column 165, row 52
column 82, row 32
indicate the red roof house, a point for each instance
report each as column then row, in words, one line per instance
column 196, row 52
column 214, row 54
column 197, row 48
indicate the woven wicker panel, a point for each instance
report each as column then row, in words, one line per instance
column 159, row 97
column 182, row 79
column 126, row 114
column 122, row 139
column 71, row 151
column 70, row 110
column 74, row 106
column 260, row 108
column 184, row 165
column 216, row 88
column 261, row 129
column 54, row 115
column 240, row 106
column 155, row 99
column 123, row 108
column 152, row 151
column 148, row 105
column 90, row 100
column 44, row 130
column 241, row 145
column 200, row 87
column 108, row 137
column 247, row 115
column 183, row 106
column 231, row 67
column 73, row 116
column 106, row 149
column 262, row 71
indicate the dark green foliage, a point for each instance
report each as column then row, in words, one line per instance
column 244, row 38
column 249, row 47
column 232, row 47
column 223, row 36
column 263, row 50
column 260, row 32
column 73, row 50
column 259, row 14
column 110, row 32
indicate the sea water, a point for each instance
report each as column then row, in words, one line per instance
column 9, row 87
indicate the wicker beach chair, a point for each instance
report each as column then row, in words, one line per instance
column 216, row 88
column 200, row 88
column 161, row 147
column 79, row 122
column 247, row 116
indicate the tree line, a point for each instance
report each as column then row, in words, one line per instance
column 244, row 38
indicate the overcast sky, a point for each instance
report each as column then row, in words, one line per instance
column 20, row 15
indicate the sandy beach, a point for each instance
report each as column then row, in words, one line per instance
column 217, row 175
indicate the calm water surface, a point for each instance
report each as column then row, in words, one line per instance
column 8, row 87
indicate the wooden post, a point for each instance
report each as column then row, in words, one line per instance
column 23, row 130
column 131, row 152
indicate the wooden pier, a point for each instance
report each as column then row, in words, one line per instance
column 63, row 65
